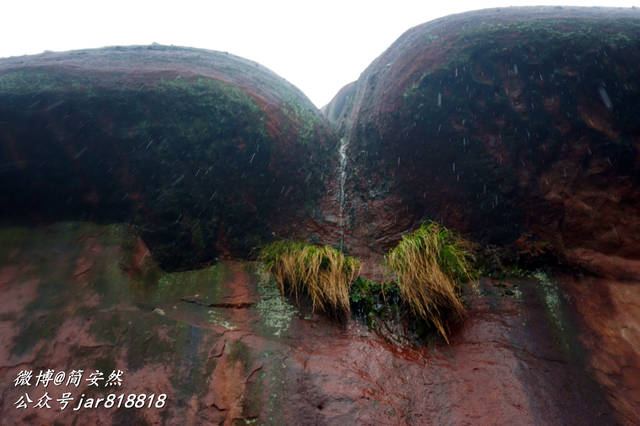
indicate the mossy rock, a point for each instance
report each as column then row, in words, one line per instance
column 504, row 123
column 199, row 149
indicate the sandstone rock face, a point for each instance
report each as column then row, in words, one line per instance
column 226, row 348
column 511, row 125
column 204, row 151
column 122, row 167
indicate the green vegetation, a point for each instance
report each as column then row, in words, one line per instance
column 364, row 289
column 572, row 30
column 303, row 115
column 323, row 273
column 375, row 302
column 429, row 264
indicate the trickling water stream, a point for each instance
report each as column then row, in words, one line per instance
column 342, row 178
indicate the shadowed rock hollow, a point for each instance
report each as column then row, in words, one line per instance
column 515, row 126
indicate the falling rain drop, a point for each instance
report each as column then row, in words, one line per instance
column 82, row 151
column 33, row 105
column 177, row 181
column 53, row 105
column 605, row 97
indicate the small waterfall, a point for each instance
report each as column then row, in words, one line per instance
column 342, row 178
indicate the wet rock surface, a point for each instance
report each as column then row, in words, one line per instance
column 226, row 348
column 506, row 124
column 609, row 311
column 203, row 151
column 515, row 126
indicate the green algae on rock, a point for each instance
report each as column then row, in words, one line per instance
column 180, row 142
column 503, row 123
column 83, row 287
column 202, row 151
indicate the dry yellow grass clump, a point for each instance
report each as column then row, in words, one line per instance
column 324, row 273
column 429, row 263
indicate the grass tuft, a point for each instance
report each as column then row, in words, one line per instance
column 324, row 273
column 429, row 264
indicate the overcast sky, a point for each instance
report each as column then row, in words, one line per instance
column 319, row 46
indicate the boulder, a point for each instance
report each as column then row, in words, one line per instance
column 203, row 151
column 515, row 126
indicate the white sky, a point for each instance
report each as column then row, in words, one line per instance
column 318, row 46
